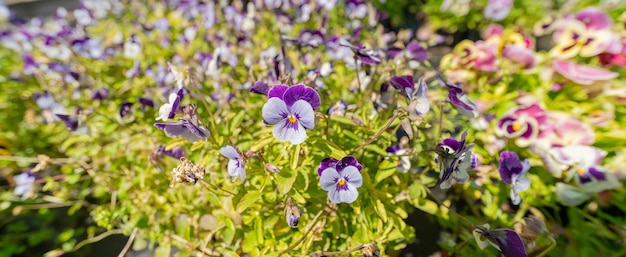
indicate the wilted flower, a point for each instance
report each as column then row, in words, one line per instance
column 458, row 98
column 455, row 160
column 187, row 172
column 292, row 213
column 507, row 241
column 24, row 184
column 291, row 110
column 341, row 178
column 522, row 123
column 236, row 162
column 512, row 172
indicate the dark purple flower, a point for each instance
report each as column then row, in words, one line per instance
column 505, row 240
column 458, row 98
column 70, row 121
column 454, row 159
column 368, row 56
column 512, row 172
column 125, row 108
column 392, row 52
column 415, row 52
column 184, row 128
column 99, row 94
column 260, row 87
column 356, row 9
column 145, row 103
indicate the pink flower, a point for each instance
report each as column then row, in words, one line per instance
column 523, row 124
column 568, row 131
column 521, row 55
column 582, row 74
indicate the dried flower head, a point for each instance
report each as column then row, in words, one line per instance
column 187, row 172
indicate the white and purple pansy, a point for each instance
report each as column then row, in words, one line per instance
column 512, row 172
column 404, row 160
column 341, row 178
column 455, row 160
column 458, row 98
column 418, row 100
column 507, row 241
column 571, row 159
column 236, row 162
column 523, row 124
column 292, row 111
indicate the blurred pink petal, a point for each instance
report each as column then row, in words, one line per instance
column 520, row 55
column 582, row 74
column 594, row 18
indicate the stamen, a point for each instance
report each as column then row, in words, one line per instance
column 292, row 119
column 341, row 182
column 580, row 172
column 516, row 126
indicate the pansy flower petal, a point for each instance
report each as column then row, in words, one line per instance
column 292, row 132
column 353, row 176
column 301, row 92
column 274, row 111
column 348, row 161
column 277, row 91
column 328, row 179
column 304, row 113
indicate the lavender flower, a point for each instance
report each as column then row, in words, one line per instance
column 291, row 109
column 512, row 172
column 505, row 240
column 341, row 178
column 458, row 98
column 176, row 152
column 292, row 214
column 418, row 101
column 236, row 162
column 24, row 184
column 184, row 128
column 415, row 52
column 455, row 160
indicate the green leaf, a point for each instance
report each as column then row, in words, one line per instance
column 247, row 200
column 197, row 145
column 379, row 207
column 385, row 170
column 163, row 251
column 295, row 157
column 285, row 184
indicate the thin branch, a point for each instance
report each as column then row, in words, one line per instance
column 84, row 242
column 128, row 243
column 378, row 134
column 204, row 250
column 306, row 232
column 34, row 159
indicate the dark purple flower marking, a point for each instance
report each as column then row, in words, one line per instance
column 125, row 108
column 455, row 160
column 505, row 240
column 458, row 98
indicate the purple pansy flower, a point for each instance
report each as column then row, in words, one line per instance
column 99, row 94
column 184, row 128
column 236, row 162
column 291, row 109
column 24, row 184
column 311, row 38
column 125, row 108
column 260, row 87
column 176, row 152
column 512, row 172
column 505, row 240
column 415, row 52
column 168, row 110
column 454, row 159
column 356, row 9
column 458, row 98
column 49, row 106
column 522, row 123
column 341, row 178
column 145, row 103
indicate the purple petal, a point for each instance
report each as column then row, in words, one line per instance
column 301, row 92
column 416, row 52
column 274, row 111
column 509, row 165
column 325, row 164
column 145, row 103
column 510, row 243
column 70, row 121
column 346, row 194
column 393, row 52
column 394, row 149
column 182, row 128
column 368, row 56
column 304, row 113
column 231, row 152
column 260, row 87
column 125, row 108
column 179, row 96
column 402, row 83
column 277, row 91
column 328, row 179
column 348, row 161
column 100, row 94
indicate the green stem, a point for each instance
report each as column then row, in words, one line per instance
column 306, row 232
column 378, row 134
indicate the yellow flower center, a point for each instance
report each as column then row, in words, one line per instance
column 580, row 172
column 341, row 182
column 516, row 126
column 292, row 119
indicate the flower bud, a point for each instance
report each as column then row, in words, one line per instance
column 292, row 214
column 370, row 250
column 271, row 168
